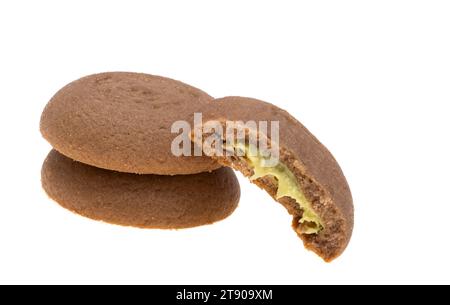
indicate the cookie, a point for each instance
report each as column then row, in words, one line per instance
column 144, row 201
column 307, row 180
column 122, row 121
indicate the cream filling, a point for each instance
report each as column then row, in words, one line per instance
column 287, row 187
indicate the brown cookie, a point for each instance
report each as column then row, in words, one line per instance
column 308, row 181
column 122, row 121
column 145, row 201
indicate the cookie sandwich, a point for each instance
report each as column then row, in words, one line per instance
column 306, row 179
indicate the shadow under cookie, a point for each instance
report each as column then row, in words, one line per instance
column 145, row 201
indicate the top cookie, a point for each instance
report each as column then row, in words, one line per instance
column 122, row 121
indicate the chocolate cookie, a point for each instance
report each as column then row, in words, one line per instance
column 145, row 201
column 307, row 180
column 122, row 121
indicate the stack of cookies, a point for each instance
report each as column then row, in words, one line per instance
column 113, row 159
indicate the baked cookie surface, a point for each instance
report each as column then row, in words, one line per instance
column 145, row 201
column 308, row 181
column 122, row 121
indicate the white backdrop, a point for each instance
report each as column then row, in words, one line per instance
column 371, row 79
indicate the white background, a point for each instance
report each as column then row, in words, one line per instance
column 371, row 79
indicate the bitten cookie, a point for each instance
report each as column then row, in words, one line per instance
column 122, row 121
column 307, row 180
column 145, row 201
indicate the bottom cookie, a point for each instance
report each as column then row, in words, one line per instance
column 145, row 201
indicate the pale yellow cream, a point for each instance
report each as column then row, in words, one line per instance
column 287, row 187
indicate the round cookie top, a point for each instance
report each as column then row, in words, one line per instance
column 145, row 201
column 122, row 121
